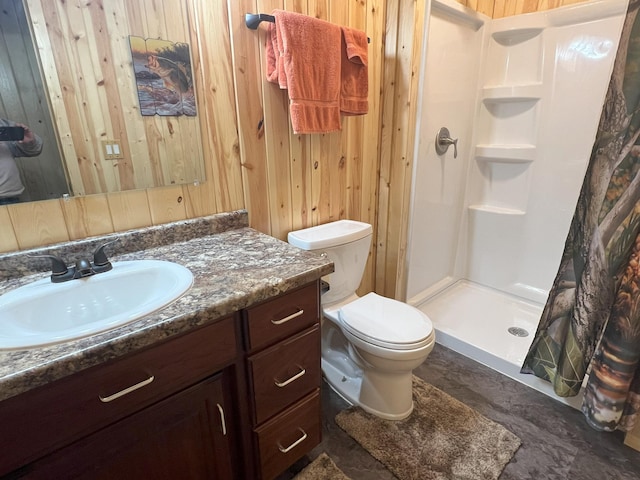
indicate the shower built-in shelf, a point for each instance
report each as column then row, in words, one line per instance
column 515, row 55
column 514, row 36
column 495, row 210
column 512, row 93
column 522, row 153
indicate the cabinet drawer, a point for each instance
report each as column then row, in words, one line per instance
column 288, row 436
column 285, row 373
column 282, row 316
column 77, row 405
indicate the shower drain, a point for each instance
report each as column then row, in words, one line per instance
column 518, row 332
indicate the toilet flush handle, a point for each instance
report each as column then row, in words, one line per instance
column 443, row 140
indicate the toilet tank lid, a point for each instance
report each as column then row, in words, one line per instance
column 329, row 234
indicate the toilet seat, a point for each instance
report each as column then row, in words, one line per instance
column 386, row 323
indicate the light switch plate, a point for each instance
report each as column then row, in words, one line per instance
column 111, row 149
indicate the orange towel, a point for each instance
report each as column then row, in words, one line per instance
column 303, row 55
column 272, row 53
column 354, row 85
column 275, row 57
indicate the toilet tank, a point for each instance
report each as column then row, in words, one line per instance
column 346, row 243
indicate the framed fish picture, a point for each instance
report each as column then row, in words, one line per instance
column 164, row 78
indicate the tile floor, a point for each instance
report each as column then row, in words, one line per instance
column 556, row 441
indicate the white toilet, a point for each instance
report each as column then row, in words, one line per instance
column 370, row 344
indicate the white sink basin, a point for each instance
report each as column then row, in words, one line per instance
column 43, row 313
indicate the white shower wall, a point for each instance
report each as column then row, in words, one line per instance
column 523, row 95
column 449, row 83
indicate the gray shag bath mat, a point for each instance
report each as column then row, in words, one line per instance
column 322, row 468
column 443, row 439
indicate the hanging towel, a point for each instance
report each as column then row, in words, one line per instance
column 275, row 57
column 354, row 83
column 304, row 56
column 272, row 52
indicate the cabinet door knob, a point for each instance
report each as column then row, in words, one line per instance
column 295, row 377
column 290, row 317
column 223, row 423
column 122, row 393
column 294, row 444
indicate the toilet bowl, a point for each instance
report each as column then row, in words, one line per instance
column 370, row 344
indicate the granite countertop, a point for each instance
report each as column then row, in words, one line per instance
column 233, row 266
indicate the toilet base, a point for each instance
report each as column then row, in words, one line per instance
column 358, row 389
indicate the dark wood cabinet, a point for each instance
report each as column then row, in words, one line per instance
column 236, row 399
column 284, row 376
column 289, row 435
column 184, row 436
column 52, row 416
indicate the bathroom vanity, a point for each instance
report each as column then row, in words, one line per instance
column 223, row 383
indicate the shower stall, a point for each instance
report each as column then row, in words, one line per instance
column 522, row 96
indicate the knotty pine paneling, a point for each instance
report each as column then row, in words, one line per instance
column 482, row 6
column 252, row 158
column 86, row 58
column 506, row 8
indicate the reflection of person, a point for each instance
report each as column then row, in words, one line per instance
column 10, row 183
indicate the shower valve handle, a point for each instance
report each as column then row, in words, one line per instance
column 443, row 140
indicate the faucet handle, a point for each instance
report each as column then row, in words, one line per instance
column 59, row 268
column 443, row 140
column 100, row 259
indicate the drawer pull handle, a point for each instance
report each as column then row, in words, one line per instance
column 126, row 391
column 294, row 444
column 295, row 377
column 222, row 421
column 290, row 317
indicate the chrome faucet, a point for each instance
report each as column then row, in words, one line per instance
column 60, row 272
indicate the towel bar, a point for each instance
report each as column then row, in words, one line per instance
column 252, row 20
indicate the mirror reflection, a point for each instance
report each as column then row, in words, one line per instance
column 38, row 172
column 99, row 141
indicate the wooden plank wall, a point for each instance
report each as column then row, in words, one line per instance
column 294, row 181
column 252, row 159
column 86, row 61
column 506, row 8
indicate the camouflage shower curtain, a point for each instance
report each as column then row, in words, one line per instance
column 591, row 320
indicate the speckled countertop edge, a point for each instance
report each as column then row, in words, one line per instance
column 233, row 268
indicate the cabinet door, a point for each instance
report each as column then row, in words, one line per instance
column 53, row 416
column 186, row 436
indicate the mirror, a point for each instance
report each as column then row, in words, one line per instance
column 82, row 52
column 23, row 99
